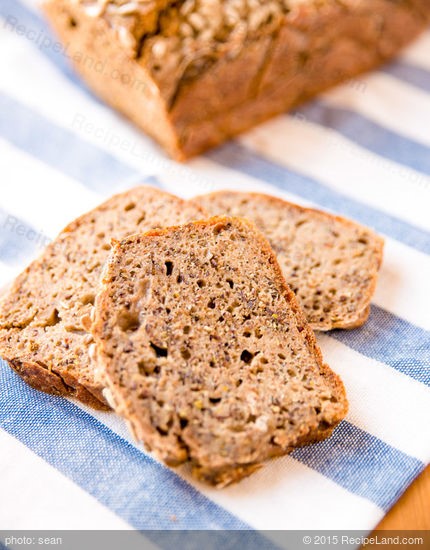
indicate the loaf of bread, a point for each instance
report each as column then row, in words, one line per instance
column 195, row 72
column 206, row 353
column 45, row 315
column 331, row 263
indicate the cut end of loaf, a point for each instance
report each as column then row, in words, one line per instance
column 194, row 74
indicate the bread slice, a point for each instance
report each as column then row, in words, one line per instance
column 206, row 352
column 331, row 263
column 194, row 73
column 45, row 315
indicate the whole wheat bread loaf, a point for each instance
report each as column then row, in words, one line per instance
column 331, row 263
column 193, row 73
column 206, row 352
column 45, row 315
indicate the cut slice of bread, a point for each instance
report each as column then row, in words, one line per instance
column 206, row 353
column 331, row 263
column 45, row 315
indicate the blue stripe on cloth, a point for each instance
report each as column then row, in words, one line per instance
column 392, row 341
column 418, row 77
column 27, row 24
column 362, row 464
column 137, row 488
column 62, row 149
column 369, row 134
column 18, row 240
column 237, row 157
column 146, row 494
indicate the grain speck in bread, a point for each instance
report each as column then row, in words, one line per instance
column 45, row 315
column 206, row 352
column 330, row 262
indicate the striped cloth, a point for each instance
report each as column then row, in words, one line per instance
column 362, row 150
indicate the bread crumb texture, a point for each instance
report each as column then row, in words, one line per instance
column 45, row 317
column 330, row 263
column 206, row 352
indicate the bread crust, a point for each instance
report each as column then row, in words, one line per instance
column 316, row 47
column 123, row 401
column 376, row 244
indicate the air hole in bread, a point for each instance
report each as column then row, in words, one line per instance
column 53, row 319
column 179, row 279
column 201, row 283
column 159, row 352
column 169, row 268
column 130, row 206
column 186, row 354
column 233, row 306
column 214, row 400
column 211, row 303
column 88, row 299
column 186, row 329
column 220, row 227
column 247, row 334
column 230, row 282
column 246, row 356
column 128, row 321
column 141, row 367
column 72, row 23
column 146, row 369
